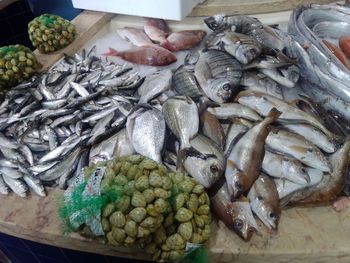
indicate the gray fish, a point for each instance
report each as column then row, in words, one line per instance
column 211, row 127
column 234, row 110
column 283, row 166
column 27, row 153
column 17, row 186
column 53, row 139
column 146, row 130
column 11, row 172
column 11, row 154
column 46, row 92
column 209, row 170
column 248, row 153
column 218, row 74
column 6, row 142
column 275, row 75
column 79, row 89
column 264, row 201
column 154, row 85
column 100, row 127
column 35, row 184
column 40, row 168
column 54, row 104
column 294, row 145
column 185, row 83
column 181, row 116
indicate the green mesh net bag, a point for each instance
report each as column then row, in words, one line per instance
column 17, row 64
column 134, row 201
column 49, row 33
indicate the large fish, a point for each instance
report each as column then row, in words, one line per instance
column 134, row 35
column 184, row 40
column 218, row 74
column 146, row 130
column 247, row 155
column 292, row 144
column 264, row 201
column 156, row 29
column 236, row 215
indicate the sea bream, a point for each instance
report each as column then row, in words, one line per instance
column 247, row 155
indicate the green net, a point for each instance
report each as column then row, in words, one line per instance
column 47, row 20
column 198, row 255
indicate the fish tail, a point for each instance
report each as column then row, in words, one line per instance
column 273, row 115
column 111, row 52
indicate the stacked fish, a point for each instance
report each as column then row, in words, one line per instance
column 49, row 124
column 317, row 30
column 154, row 44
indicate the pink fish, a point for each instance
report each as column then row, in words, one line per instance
column 156, row 29
column 183, row 40
column 147, row 55
column 134, row 35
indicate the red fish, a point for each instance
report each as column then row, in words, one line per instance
column 156, row 29
column 338, row 53
column 184, row 40
column 344, row 44
column 147, row 55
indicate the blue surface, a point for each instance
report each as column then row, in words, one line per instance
column 63, row 8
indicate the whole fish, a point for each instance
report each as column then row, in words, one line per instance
column 146, row 130
column 243, row 47
column 234, row 110
column 154, row 85
column 181, row 116
column 156, row 29
column 288, row 190
column 313, row 135
column 248, row 154
column 185, row 83
column 256, row 81
column 183, row 40
column 146, row 55
column 209, row 170
column 212, row 128
column 236, row 129
column 275, row 75
column 283, row 166
column 333, row 183
column 11, row 172
column 236, row 215
column 264, row 201
column 218, row 74
column 17, row 186
column 35, row 184
column 5, row 142
column 263, row 103
column 134, row 35
column 289, row 143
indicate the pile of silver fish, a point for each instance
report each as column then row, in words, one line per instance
column 223, row 116
column 316, row 30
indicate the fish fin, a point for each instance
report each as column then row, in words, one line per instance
column 274, row 114
column 111, row 52
column 191, row 152
column 140, row 106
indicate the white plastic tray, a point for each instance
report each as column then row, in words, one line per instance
column 165, row 9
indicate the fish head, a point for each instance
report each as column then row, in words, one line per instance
column 220, row 90
column 214, row 22
column 237, row 182
column 293, row 167
column 267, row 213
column 243, row 221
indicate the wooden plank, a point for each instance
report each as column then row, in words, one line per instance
column 87, row 25
column 212, row 7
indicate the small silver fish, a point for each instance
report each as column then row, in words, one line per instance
column 17, row 186
column 34, row 184
column 234, row 110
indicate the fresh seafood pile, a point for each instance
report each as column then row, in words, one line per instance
column 322, row 48
column 154, row 44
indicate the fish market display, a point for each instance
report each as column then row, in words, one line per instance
column 233, row 117
column 155, row 44
column 320, row 42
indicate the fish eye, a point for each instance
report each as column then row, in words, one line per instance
column 238, row 224
column 239, row 186
column 214, row 168
column 303, row 170
column 226, row 87
column 273, row 215
column 259, row 197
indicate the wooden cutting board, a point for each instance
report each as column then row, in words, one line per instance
column 212, row 7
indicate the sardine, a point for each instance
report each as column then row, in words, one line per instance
column 234, row 110
column 34, row 184
column 154, row 85
column 264, row 201
column 11, row 172
column 134, row 35
column 146, row 130
column 237, row 215
column 282, row 166
column 17, row 186
column 212, row 128
column 218, row 74
column 263, row 103
column 289, row 143
column 248, row 154
column 4, row 189
column 209, row 170
column 8, row 143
